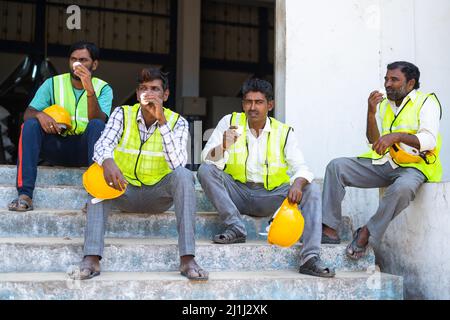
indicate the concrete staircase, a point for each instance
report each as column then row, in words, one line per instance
column 39, row 247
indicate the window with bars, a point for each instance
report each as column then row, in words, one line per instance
column 236, row 32
column 133, row 25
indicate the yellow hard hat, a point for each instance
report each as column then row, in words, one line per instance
column 402, row 153
column 95, row 184
column 60, row 115
column 287, row 225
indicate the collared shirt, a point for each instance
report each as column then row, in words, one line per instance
column 174, row 142
column 257, row 153
column 428, row 127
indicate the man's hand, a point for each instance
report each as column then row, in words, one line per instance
column 295, row 192
column 154, row 105
column 230, row 137
column 48, row 124
column 86, row 78
column 375, row 98
column 113, row 176
column 385, row 142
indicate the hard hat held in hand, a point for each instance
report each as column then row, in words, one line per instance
column 95, row 184
column 60, row 115
column 403, row 153
column 287, row 225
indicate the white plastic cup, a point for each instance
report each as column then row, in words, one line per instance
column 76, row 63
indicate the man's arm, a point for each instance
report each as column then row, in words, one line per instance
column 214, row 152
column 104, row 150
column 41, row 100
column 94, row 110
column 175, row 142
column 297, row 168
column 390, row 139
column 47, row 123
column 372, row 132
column 430, row 116
column 110, row 137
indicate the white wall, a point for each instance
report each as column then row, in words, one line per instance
column 415, row 245
column 336, row 53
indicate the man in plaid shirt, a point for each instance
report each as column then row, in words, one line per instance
column 143, row 149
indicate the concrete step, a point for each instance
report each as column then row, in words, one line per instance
column 47, row 176
column 276, row 285
column 145, row 255
column 358, row 203
column 72, row 197
column 71, row 223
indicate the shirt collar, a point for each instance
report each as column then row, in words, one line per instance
column 267, row 126
column 140, row 118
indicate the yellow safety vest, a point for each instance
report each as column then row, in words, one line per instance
column 142, row 163
column 408, row 121
column 275, row 167
column 65, row 97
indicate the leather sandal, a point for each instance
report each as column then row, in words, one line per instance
column 315, row 267
column 229, row 236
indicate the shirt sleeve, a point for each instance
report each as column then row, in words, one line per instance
column 108, row 141
column 44, row 96
column 296, row 162
column 105, row 99
column 175, row 143
column 215, row 140
column 429, row 124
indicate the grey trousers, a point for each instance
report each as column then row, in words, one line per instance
column 402, row 185
column 176, row 188
column 233, row 198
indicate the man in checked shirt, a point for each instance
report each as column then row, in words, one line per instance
column 144, row 147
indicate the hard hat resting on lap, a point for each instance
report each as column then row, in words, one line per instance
column 60, row 115
column 403, row 153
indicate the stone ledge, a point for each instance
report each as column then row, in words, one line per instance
column 276, row 285
column 144, row 255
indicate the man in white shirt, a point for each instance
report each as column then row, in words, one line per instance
column 408, row 119
column 251, row 163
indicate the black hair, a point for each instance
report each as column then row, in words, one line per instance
column 258, row 85
column 89, row 46
column 408, row 69
column 154, row 73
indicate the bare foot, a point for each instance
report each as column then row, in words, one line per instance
column 89, row 268
column 331, row 233
column 358, row 247
column 190, row 269
column 363, row 238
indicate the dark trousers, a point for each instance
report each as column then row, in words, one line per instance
column 69, row 151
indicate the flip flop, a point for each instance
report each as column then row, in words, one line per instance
column 190, row 277
column 87, row 271
column 353, row 247
column 20, row 205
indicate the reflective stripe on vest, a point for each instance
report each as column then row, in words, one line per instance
column 408, row 121
column 65, row 97
column 275, row 167
column 142, row 163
